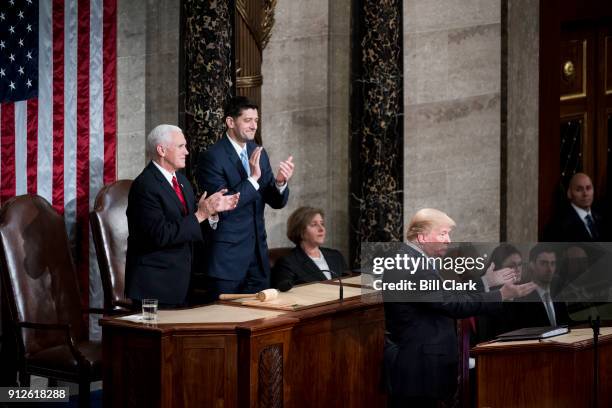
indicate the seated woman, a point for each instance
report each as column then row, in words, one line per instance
column 308, row 261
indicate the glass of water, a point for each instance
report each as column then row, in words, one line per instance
column 149, row 310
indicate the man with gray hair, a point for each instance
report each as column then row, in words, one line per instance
column 421, row 350
column 164, row 219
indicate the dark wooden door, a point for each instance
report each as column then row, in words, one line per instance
column 575, row 100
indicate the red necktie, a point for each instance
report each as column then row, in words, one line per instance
column 179, row 193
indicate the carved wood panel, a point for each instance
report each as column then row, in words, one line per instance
column 204, row 357
column 270, row 386
column 573, row 68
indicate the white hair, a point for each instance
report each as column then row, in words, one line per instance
column 160, row 135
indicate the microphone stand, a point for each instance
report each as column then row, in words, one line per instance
column 341, row 289
column 595, row 325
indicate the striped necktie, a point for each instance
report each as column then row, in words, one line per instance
column 591, row 225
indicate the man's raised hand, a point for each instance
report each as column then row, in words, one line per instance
column 285, row 171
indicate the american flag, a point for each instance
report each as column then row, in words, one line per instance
column 58, row 121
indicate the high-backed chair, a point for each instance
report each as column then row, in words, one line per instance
column 274, row 254
column 109, row 229
column 40, row 284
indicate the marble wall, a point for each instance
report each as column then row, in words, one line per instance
column 304, row 111
column 452, row 102
column 452, row 112
column 522, row 120
column 147, row 76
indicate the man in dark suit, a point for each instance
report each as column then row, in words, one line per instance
column 421, row 350
column 163, row 220
column 577, row 221
column 238, row 261
column 539, row 308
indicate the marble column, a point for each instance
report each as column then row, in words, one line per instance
column 520, row 192
column 207, row 78
column 376, row 176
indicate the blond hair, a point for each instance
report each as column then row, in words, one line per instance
column 424, row 220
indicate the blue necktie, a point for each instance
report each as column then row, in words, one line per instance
column 245, row 162
column 591, row 225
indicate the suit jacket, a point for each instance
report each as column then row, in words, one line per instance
column 421, row 349
column 297, row 267
column 531, row 312
column 241, row 232
column 568, row 227
column 159, row 252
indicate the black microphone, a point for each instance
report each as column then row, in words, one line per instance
column 341, row 289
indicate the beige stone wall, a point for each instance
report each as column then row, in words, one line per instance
column 147, row 76
column 523, row 106
column 452, row 106
column 305, row 111
column 452, row 112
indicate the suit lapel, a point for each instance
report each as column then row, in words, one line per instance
column 166, row 187
column 187, row 192
column 233, row 157
column 335, row 265
column 579, row 226
column 308, row 265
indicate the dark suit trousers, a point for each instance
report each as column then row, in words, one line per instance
column 255, row 281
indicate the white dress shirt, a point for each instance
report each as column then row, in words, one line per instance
column 212, row 220
column 582, row 213
column 239, row 149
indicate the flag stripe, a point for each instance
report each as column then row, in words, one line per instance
column 7, row 146
column 58, row 106
column 58, row 113
column 21, row 135
column 82, row 143
column 110, row 90
column 70, row 116
column 96, row 102
column 46, row 132
column 32, row 144
column 96, row 141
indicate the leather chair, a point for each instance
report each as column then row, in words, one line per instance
column 109, row 229
column 40, row 284
column 274, row 254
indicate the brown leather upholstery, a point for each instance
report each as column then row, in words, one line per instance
column 40, row 283
column 110, row 233
column 274, row 254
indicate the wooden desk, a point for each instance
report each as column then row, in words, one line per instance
column 555, row 373
column 228, row 355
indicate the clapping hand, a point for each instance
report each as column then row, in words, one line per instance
column 285, row 171
column 254, row 163
column 218, row 202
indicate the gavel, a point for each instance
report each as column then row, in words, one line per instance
column 264, row 295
